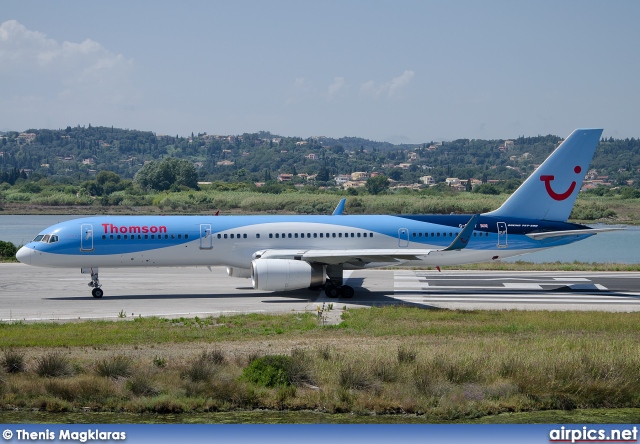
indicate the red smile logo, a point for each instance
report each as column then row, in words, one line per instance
column 559, row 196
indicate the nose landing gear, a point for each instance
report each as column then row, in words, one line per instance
column 95, row 282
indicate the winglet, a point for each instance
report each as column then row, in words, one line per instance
column 462, row 239
column 339, row 207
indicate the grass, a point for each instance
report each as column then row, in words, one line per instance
column 441, row 365
column 152, row 330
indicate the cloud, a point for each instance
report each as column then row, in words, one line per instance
column 299, row 91
column 61, row 77
column 336, row 86
column 390, row 89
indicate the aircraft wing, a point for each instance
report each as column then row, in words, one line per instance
column 555, row 234
column 369, row 255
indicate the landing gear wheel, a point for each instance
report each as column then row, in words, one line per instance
column 331, row 291
column 346, row 292
column 97, row 293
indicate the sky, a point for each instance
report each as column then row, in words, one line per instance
column 400, row 71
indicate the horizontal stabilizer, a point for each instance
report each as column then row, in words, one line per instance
column 555, row 234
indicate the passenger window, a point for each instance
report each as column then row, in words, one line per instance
column 370, row 234
column 103, row 237
column 179, row 236
column 321, row 234
column 244, row 235
column 419, row 234
column 126, row 236
column 277, row 235
column 225, row 236
column 257, row 235
column 111, row 236
column 186, row 236
column 146, row 236
column 315, row 235
column 173, row 236
column 289, row 235
column 295, row 235
column 270, row 235
column 219, row 235
column 153, row 236
column 308, row 235
column 119, row 237
column 358, row 234
column 231, row 235
column 438, row 234
column 333, row 234
column 339, row 234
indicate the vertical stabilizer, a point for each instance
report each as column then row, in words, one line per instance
column 550, row 192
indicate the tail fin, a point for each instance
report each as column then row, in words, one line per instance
column 550, row 192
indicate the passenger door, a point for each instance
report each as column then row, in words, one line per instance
column 206, row 238
column 86, row 237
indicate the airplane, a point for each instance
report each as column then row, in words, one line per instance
column 288, row 252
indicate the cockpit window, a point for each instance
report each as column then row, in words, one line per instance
column 53, row 239
column 38, row 238
column 46, row 238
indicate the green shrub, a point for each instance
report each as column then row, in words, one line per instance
column 353, row 376
column 205, row 366
column 269, row 371
column 299, row 369
column 53, row 364
column 141, row 384
column 114, row 367
column 7, row 250
column 13, row 361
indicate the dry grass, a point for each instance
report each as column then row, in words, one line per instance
column 459, row 365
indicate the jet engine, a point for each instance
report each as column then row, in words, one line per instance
column 238, row 272
column 285, row 274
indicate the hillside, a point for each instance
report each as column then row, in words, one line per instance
column 73, row 155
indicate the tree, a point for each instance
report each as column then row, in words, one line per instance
column 377, row 184
column 162, row 175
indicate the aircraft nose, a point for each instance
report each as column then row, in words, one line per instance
column 24, row 255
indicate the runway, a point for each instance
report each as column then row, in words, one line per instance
column 32, row 293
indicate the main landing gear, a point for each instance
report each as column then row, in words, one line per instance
column 334, row 291
column 95, row 282
column 333, row 287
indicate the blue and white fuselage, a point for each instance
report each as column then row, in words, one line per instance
column 290, row 252
column 155, row 241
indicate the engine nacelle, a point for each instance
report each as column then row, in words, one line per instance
column 238, row 272
column 285, row 274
